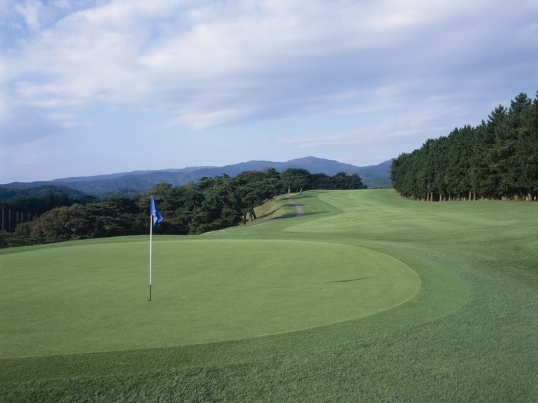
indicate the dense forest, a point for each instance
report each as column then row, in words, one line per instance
column 207, row 205
column 495, row 160
column 37, row 191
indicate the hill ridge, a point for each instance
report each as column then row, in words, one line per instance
column 142, row 180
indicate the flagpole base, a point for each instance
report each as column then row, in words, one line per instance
column 149, row 293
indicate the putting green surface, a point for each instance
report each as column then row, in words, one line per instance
column 93, row 296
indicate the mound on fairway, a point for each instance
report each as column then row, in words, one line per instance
column 92, row 296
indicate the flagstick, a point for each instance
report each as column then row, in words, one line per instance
column 150, row 236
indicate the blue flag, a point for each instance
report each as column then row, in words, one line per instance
column 157, row 217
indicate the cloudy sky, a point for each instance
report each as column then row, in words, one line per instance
column 94, row 87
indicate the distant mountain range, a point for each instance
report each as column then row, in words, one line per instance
column 130, row 183
column 37, row 191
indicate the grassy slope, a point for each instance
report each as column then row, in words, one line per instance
column 470, row 334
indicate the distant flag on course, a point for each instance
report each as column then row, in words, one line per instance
column 156, row 218
column 154, row 212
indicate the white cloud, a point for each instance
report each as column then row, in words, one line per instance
column 62, row 4
column 29, row 10
column 209, row 63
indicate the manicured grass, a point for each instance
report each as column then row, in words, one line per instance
column 470, row 332
column 93, row 297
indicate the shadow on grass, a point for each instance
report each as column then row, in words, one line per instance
column 347, row 281
column 303, row 196
column 292, row 215
column 268, row 213
column 288, row 215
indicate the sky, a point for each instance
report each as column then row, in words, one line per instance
column 96, row 87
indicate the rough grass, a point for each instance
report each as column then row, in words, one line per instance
column 277, row 208
column 469, row 334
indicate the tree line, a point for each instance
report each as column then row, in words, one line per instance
column 497, row 159
column 207, row 205
column 37, row 191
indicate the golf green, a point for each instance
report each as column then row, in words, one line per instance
column 91, row 296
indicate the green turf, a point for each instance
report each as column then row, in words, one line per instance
column 93, row 297
column 470, row 333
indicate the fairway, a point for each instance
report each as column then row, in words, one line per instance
column 366, row 297
column 92, row 297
